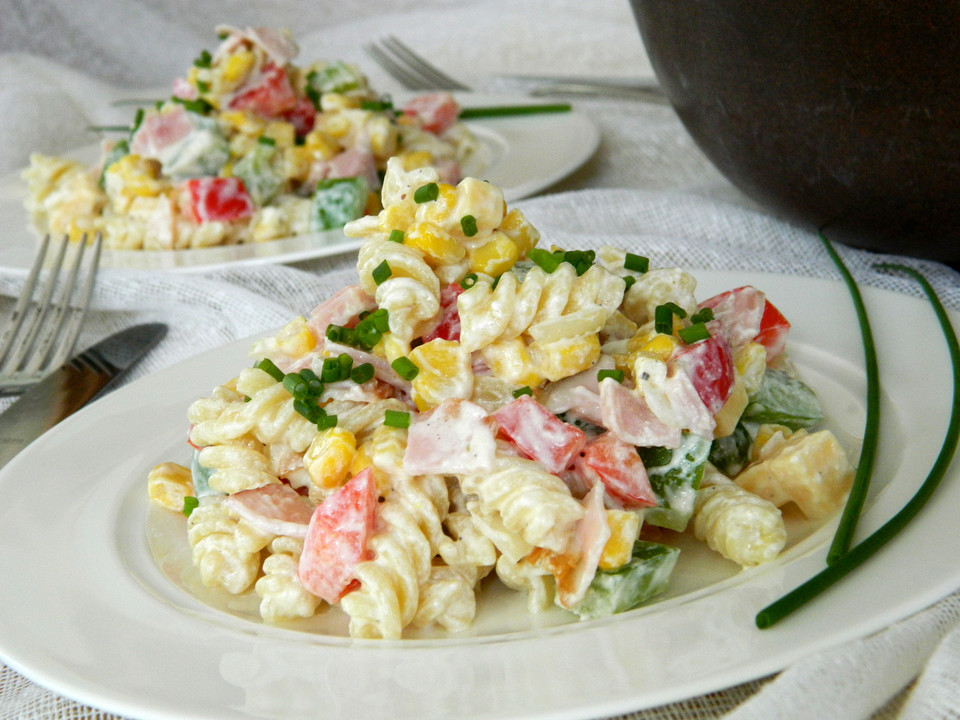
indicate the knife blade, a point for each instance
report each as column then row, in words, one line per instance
column 87, row 375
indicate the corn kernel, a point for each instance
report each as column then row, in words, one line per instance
column 439, row 211
column 750, row 361
column 236, row 67
column 624, row 529
column 411, row 160
column 768, row 433
column 362, row 460
column 444, row 373
column 518, row 229
column 397, row 217
column 295, row 339
column 728, row 416
column 391, row 347
column 563, row 358
column 512, row 362
column 496, row 256
column 437, row 246
column 242, row 121
column 661, row 346
column 282, row 133
column 329, row 457
column 168, row 484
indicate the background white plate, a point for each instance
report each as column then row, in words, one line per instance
column 88, row 613
column 527, row 154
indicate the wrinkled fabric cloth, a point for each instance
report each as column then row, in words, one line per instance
column 647, row 188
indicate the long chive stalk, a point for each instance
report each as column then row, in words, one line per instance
column 503, row 110
column 861, row 479
column 861, row 552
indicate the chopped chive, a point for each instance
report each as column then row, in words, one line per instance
column 295, row 385
column 203, row 60
column 468, row 223
column 362, row 373
column 381, row 320
column 266, row 140
column 496, row 281
column 330, row 370
column 368, row 335
column 381, row 272
column 864, row 550
column 396, row 236
column 636, row 263
column 310, row 410
column 702, row 316
column 613, row 374
column 525, row 390
column 405, row 368
column 469, row 280
column 346, row 365
column 271, row 369
column 547, row 261
column 396, row 418
column 190, row 504
column 426, row 193
column 628, row 280
column 326, row 421
column 314, row 385
column 693, row 333
column 663, row 317
column 334, row 333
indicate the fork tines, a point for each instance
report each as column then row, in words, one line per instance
column 408, row 68
column 46, row 320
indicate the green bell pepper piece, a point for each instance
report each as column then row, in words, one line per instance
column 675, row 476
column 783, row 400
column 338, row 201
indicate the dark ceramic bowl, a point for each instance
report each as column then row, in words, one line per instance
column 835, row 113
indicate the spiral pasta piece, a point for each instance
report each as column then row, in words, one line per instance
column 237, row 466
column 736, row 523
column 225, row 549
column 282, row 596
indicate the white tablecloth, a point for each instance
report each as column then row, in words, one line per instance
column 647, row 186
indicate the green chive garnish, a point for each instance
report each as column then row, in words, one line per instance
column 663, row 317
column 468, row 223
column 426, row 193
column 270, row 368
column 469, row 280
column 362, row 373
column 396, row 236
column 326, row 421
column 295, row 385
column 547, row 261
column 266, row 140
column 381, row 272
column 525, row 390
column 636, row 263
column 629, row 280
column 190, row 504
column 693, row 333
column 504, row 110
column 614, row 374
column 330, row 370
column 861, row 479
column 396, row 418
column 381, row 320
column 405, row 368
column 702, row 316
column 863, row 551
column 334, row 333
column 346, row 365
column 314, row 385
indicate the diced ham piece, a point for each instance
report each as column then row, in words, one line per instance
column 268, row 94
column 540, row 434
column 337, row 538
column 618, row 466
column 436, row 112
column 218, row 199
column 159, row 131
column 591, row 536
column 709, row 365
column 578, row 394
column 184, row 90
column 456, row 437
column 747, row 316
column 342, row 308
column 275, row 508
column 449, row 326
column 352, row 162
column 625, row 414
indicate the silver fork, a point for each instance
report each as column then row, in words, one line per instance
column 416, row 73
column 46, row 320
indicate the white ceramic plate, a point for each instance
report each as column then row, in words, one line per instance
column 88, row 613
column 526, row 154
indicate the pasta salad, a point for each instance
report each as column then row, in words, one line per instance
column 478, row 409
column 249, row 148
